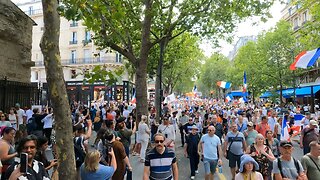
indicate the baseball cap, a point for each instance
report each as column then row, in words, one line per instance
column 285, row 143
column 121, row 119
column 250, row 124
column 313, row 122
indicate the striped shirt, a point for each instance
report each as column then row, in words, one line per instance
column 160, row 164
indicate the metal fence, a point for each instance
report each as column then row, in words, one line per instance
column 12, row 92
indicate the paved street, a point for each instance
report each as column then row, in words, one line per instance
column 183, row 162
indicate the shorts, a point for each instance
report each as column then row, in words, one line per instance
column 234, row 160
column 210, row 166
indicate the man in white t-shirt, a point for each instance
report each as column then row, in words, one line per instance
column 21, row 114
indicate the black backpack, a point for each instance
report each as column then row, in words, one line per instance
column 32, row 125
column 79, row 151
column 296, row 164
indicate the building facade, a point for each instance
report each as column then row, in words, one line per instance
column 298, row 16
column 241, row 42
column 15, row 57
column 78, row 54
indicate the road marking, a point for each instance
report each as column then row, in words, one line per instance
column 221, row 176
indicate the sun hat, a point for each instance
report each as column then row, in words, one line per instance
column 245, row 159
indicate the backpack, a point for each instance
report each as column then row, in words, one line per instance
column 296, row 164
column 78, row 151
column 31, row 125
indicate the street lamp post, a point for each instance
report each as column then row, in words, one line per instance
column 294, row 81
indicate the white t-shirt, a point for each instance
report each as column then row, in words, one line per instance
column 47, row 121
column 29, row 114
column 168, row 131
column 20, row 114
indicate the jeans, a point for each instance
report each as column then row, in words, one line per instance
column 194, row 161
column 306, row 150
column 182, row 135
column 47, row 133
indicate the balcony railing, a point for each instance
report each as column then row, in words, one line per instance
column 80, row 61
column 86, row 41
column 74, row 24
column 296, row 28
column 73, row 42
column 33, row 12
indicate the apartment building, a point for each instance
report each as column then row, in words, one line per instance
column 78, row 54
column 298, row 16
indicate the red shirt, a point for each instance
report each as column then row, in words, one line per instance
column 262, row 128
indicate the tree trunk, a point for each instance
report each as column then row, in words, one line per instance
column 52, row 61
column 141, row 65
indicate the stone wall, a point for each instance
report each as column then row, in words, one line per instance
column 15, row 43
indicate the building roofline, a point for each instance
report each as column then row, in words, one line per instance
column 33, row 22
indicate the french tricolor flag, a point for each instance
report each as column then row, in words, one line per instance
column 305, row 59
column 229, row 98
column 133, row 100
column 223, row 84
column 296, row 127
column 285, row 129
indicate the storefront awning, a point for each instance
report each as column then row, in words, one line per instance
column 238, row 94
column 300, row 91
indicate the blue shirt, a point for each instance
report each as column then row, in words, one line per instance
column 210, row 145
column 103, row 173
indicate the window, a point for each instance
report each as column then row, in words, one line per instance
column 87, row 36
column 87, row 55
column 295, row 23
column 36, row 75
column 290, row 11
column 73, row 38
column 73, row 56
column 30, row 10
column 304, row 17
column 118, row 57
column 74, row 24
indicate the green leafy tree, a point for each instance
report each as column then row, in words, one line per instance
column 213, row 70
column 267, row 61
column 181, row 63
column 126, row 26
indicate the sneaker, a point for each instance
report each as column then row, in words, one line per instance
column 197, row 172
column 192, row 177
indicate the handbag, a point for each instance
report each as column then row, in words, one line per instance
column 228, row 150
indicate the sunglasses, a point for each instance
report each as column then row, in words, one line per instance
column 2, row 116
column 209, row 130
column 159, row 141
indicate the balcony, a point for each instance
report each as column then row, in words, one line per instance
column 74, row 24
column 295, row 28
column 86, row 41
column 83, row 61
column 73, row 42
column 33, row 12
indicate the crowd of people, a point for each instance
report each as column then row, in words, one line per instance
column 248, row 136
